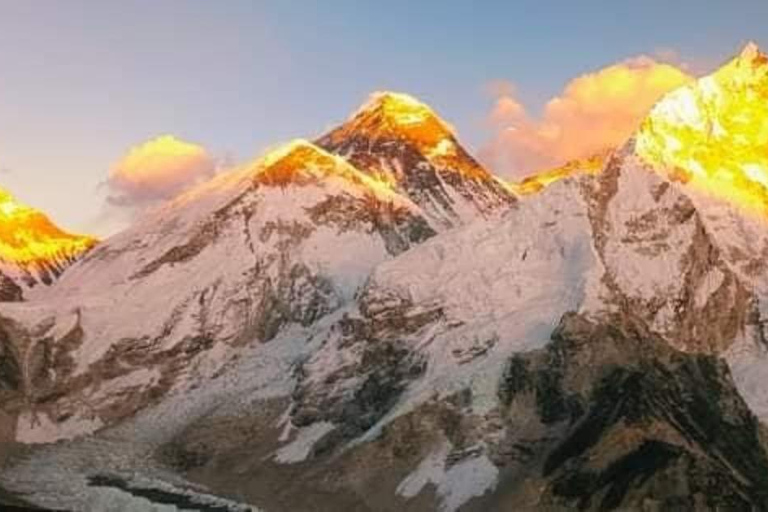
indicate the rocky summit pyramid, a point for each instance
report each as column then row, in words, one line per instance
column 33, row 250
column 403, row 142
column 296, row 335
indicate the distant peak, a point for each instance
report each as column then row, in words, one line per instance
column 300, row 161
column 396, row 112
column 751, row 51
column 28, row 237
column 714, row 131
column 8, row 203
column 390, row 116
column 300, row 155
column 287, row 151
column 400, row 108
column 583, row 166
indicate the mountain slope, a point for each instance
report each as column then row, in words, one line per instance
column 710, row 138
column 33, row 251
column 166, row 303
column 402, row 142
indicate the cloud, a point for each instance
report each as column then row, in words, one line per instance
column 594, row 112
column 157, row 170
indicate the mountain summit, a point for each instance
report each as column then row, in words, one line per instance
column 301, row 162
column 713, row 133
column 33, row 250
column 397, row 115
column 399, row 140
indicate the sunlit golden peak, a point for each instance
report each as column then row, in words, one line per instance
column 287, row 150
column 391, row 115
column 5, row 195
column 713, row 133
column 401, row 108
column 536, row 182
column 300, row 161
column 29, row 240
column 751, row 52
column 8, row 204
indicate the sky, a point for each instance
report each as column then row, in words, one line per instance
column 84, row 85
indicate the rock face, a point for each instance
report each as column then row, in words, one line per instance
column 296, row 336
column 33, row 251
column 629, row 423
column 9, row 290
column 399, row 140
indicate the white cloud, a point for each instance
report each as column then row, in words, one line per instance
column 594, row 112
column 157, row 170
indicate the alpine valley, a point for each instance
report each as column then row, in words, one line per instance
column 372, row 321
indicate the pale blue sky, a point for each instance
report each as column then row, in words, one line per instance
column 82, row 81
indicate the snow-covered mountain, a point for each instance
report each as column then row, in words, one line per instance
column 296, row 336
column 403, row 142
column 285, row 241
column 537, row 182
column 33, row 250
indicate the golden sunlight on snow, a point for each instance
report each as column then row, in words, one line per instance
column 27, row 236
column 713, row 133
column 389, row 117
column 300, row 161
column 539, row 181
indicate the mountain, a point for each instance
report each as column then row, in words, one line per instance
column 404, row 143
column 284, row 241
column 600, row 347
column 295, row 336
column 33, row 250
column 536, row 182
column 709, row 137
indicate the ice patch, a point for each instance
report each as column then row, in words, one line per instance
column 748, row 363
column 457, row 484
column 300, row 448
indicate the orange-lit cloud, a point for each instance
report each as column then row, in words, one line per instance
column 593, row 113
column 157, row 170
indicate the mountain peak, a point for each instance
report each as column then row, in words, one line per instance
column 388, row 115
column 296, row 159
column 301, row 162
column 31, row 246
column 289, row 151
column 713, row 132
column 537, row 182
column 751, row 52
column 400, row 109
column 301, row 156
column 400, row 141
